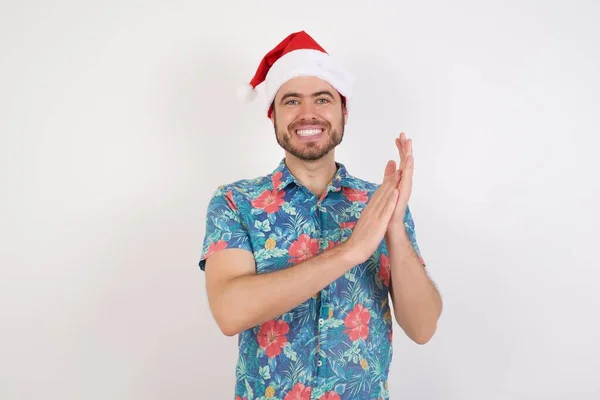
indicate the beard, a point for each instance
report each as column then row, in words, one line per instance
column 310, row 151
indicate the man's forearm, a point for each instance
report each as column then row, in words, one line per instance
column 416, row 301
column 251, row 300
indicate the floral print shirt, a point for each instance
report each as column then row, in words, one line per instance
column 338, row 344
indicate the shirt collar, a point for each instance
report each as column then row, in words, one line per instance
column 282, row 177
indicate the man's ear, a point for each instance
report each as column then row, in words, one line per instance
column 272, row 112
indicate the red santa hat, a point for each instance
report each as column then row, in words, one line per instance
column 297, row 55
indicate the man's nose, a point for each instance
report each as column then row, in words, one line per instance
column 307, row 109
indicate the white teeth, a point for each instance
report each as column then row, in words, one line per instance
column 308, row 132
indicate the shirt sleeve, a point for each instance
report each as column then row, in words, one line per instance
column 410, row 229
column 224, row 226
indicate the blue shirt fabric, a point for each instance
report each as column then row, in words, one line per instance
column 337, row 344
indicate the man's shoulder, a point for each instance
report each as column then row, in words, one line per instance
column 247, row 187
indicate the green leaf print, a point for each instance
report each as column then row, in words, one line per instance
column 332, row 323
column 288, row 208
column 350, row 276
column 304, row 313
column 273, row 363
column 265, row 372
column 354, row 210
column 340, row 388
column 255, row 211
column 242, row 370
column 353, row 294
column 336, row 236
column 221, row 223
column 278, row 252
column 353, row 353
column 338, row 368
column 383, row 392
column 289, row 352
column 321, row 353
column 298, row 224
column 287, row 317
column 226, row 236
column 264, row 226
column 296, row 372
column 317, row 392
column 377, row 371
column 265, row 254
column 372, row 264
column 249, row 392
column 357, row 383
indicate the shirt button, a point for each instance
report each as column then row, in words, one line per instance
column 321, row 322
column 319, row 363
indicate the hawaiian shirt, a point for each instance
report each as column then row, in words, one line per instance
column 337, row 344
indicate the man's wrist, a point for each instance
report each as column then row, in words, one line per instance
column 397, row 234
column 351, row 254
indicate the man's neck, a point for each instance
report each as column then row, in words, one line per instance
column 315, row 175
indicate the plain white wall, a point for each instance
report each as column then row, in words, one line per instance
column 118, row 119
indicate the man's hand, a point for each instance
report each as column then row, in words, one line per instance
column 404, row 186
column 371, row 227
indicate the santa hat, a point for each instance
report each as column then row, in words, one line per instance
column 296, row 55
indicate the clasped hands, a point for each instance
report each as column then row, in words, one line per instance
column 383, row 217
column 403, row 177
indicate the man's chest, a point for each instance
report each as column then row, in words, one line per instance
column 286, row 228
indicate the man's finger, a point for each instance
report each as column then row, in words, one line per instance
column 406, row 182
column 399, row 147
column 385, row 190
column 389, row 169
column 390, row 205
column 408, row 147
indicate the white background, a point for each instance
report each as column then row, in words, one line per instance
column 118, row 119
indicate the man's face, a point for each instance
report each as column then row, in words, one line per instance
column 308, row 117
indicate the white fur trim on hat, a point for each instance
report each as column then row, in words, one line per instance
column 307, row 62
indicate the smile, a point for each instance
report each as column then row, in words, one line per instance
column 308, row 132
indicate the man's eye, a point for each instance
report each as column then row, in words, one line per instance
column 291, row 102
column 323, row 100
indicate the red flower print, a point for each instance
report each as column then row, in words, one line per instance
column 216, row 246
column 277, row 180
column 384, row 270
column 303, row 248
column 357, row 323
column 355, row 195
column 240, row 398
column 347, row 225
column 229, row 198
column 331, row 244
column 330, row 396
column 271, row 337
column 299, row 392
column 269, row 200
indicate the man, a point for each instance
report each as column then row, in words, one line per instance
column 300, row 263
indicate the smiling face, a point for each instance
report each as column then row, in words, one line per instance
column 309, row 118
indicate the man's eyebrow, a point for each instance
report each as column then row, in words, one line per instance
column 288, row 95
column 323, row 92
column 316, row 94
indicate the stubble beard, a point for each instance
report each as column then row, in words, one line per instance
column 310, row 151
